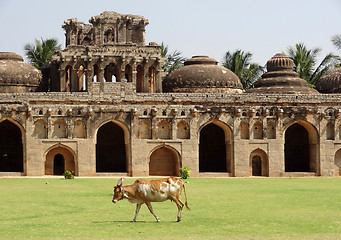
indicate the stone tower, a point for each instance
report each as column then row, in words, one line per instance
column 107, row 55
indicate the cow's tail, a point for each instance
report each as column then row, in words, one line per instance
column 186, row 204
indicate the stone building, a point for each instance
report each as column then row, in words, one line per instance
column 110, row 110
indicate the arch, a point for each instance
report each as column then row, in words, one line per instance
column 111, row 149
column 95, row 73
column 139, row 79
column 330, row 131
column 259, row 163
column 152, row 79
column 68, row 78
column 244, row 130
column 60, row 158
column 81, row 78
column 111, row 73
column 128, row 73
column 271, row 130
column 301, row 148
column 215, row 147
column 183, row 130
column 258, row 130
column 79, row 129
column 40, row 129
column 337, row 163
column 145, row 130
column 163, row 130
column 164, row 161
column 12, row 149
column 59, row 129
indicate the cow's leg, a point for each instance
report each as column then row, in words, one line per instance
column 151, row 211
column 138, row 206
column 180, row 205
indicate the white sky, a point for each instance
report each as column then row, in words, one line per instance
column 194, row 27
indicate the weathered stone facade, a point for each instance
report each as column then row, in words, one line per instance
column 110, row 117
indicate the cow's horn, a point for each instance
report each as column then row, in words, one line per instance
column 120, row 182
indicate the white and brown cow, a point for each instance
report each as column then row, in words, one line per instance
column 147, row 191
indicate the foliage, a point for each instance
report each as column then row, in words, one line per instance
column 69, row 175
column 41, row 52
column 240, row 63
column 336, row 40
column 305, row 63
column 174, row 60
column 221, row 208
column 185, row 172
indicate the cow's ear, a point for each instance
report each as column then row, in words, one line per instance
column 120, row 182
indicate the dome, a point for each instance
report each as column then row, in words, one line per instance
column 330, row 82
column 202, row 74
column 281, row 78
column 17, row 76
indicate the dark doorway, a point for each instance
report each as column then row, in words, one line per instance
column 11, row 150
column 212, row 149
column 296, row 148
column 256, row 166
column 58, row 164
column 110, row 149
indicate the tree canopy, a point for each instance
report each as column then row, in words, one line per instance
column 40, row 53
column 240, row 63
column 305, row 62
column 174, row 60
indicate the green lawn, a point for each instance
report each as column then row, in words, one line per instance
column 230, row 208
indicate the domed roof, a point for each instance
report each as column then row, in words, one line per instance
column 17, row 76
column 202, row 74
column 330, row 82
column 281, row 78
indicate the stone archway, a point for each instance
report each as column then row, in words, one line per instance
column 111, row 153
column 337, row 163
column 301, row 148
column 164, row 161
column 259, row 163
column 11, row 148
column 58, row 160
column 215, row 148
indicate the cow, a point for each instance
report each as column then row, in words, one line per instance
column 147, row 191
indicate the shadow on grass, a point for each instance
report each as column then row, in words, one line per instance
column 137, row 222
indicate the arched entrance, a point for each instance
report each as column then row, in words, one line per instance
column 215, row 149
column 164, row 162
column 259, row 163
column 337, row 163
column 11, row 148
column 110, row 149
column 58, row 160
column 300, row 148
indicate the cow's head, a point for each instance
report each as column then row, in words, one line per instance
column 118, row 191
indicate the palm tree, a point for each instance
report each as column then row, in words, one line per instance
column 305, row 63
column 174, row 60
column 239, row 62
column 336, row 40
column 39, row 54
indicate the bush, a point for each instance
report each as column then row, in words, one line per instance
column 185, row 172
column 69, row 175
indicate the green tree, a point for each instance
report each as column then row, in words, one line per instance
column 40, row 53
column 336, row 40
column 174, row 60
column 305, row 63
column 240, row 63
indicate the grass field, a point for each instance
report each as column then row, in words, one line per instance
column 230, row 208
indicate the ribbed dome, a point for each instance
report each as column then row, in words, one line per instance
column 202, row 74
column 330, row 82
column 17, row 76
column 280, row 78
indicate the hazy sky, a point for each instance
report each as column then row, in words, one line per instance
column 194, row 27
